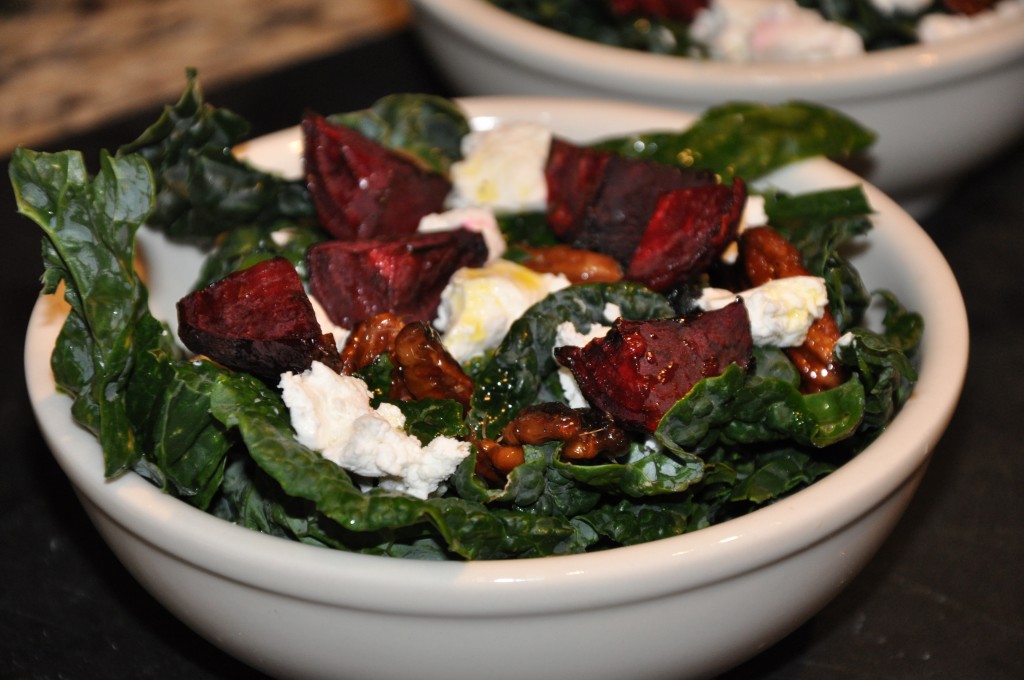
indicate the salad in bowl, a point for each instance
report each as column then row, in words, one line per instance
column 745, row 31
column 428, row 334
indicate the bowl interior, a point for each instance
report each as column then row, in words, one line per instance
column 898, row 256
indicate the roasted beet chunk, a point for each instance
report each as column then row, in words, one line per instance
column 676, row 10
column 363, row 190
column 573, row 175
column 355, row 280
column 641, row 368
column 257, row 320
column 690, row 228
column 603, row 202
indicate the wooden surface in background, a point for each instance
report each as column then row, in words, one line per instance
column 66, row 66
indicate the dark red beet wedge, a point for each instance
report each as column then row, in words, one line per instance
column 683, row 11
column 355, row 280
column 257, row 320
column 601, row 201
column 363, row 190
column 689, row 229
column 641, row 368
column 573, row 175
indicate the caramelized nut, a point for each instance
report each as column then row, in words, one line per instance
column 495, row 461
column 426, row 369
column 369, row 340
column 578, row 265
column 542, row 423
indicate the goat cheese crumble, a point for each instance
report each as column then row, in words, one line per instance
column 771, row 30
column 781, row 311
column 479, row 304
column 331, row 414
column 502, row 169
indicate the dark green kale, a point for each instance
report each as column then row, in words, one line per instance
column 426, row 127
column 147, row 407
column 594, row 20
column 202, row 188
column 223, row 441
column 749, row 140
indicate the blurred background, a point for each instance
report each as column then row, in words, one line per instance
column 69, row 65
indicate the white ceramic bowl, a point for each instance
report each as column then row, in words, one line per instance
column 938, row 110
column 676, row 608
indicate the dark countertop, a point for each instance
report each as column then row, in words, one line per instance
column 944, row 598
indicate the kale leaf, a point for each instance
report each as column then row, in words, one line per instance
column 749, row 140
column 203, row 189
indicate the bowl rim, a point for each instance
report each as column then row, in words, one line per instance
column 550, row 584
column 538, row 48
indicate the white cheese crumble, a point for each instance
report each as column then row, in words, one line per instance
column 611, row 311
column 502, row 169
column 771, row 30
column 780, row 310
column 474, row 219
column 479, row 304
column 331, row 414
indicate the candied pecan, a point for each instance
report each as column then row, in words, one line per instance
column 767, row 255
column 426, row 369
column 495, row 461
column 257, row 320
column 542, row 423
column 369, row 340
column 600, row 436
column 578, row 265
column 584, row 432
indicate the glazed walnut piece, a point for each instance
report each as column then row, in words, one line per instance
column 640, row 369
column 576, row 264
column 369, row 340
column 766, row 255
column 585, row 433
column 495, row 461
column 425, row 369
